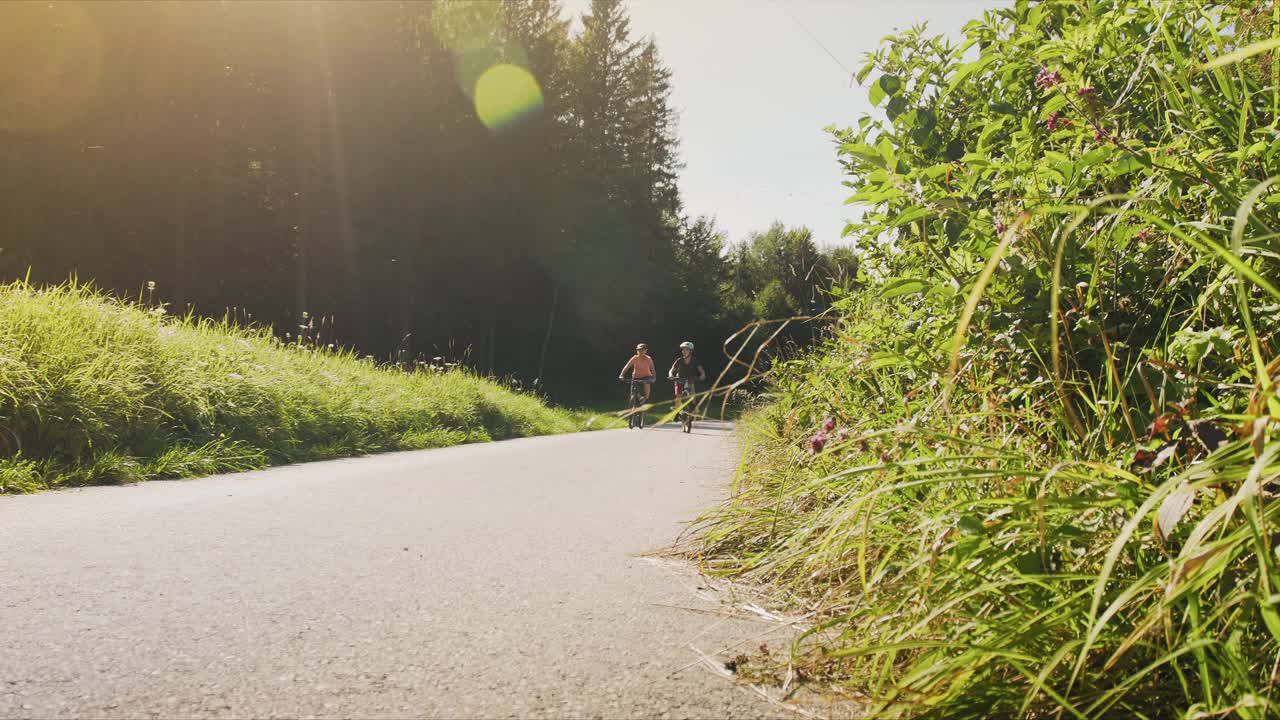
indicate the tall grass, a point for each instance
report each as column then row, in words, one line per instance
column 97, row 390
column 1031, row 472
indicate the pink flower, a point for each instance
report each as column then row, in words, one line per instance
column 1056, row 121
column 1047, row 79
column 1000, row 227
column 1088, row 93
column 829, row 425
column 817, row 442
column 1144, row 233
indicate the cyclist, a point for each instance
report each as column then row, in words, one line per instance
column 686, row 367
column 641, row 367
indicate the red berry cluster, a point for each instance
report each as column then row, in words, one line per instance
column 818, row 440
column 1047, row 79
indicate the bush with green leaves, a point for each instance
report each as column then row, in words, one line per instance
column 97, row 390
column 1031, row 473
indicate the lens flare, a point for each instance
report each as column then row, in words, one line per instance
column 505, row 95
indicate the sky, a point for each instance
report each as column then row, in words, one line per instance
column 754, row 89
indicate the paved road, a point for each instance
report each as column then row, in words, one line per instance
column 496, row 580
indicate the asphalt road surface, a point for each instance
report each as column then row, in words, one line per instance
column 496, row 580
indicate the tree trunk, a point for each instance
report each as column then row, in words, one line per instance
column 408, row 294
column 180, row 248
column 493, row 340
column 303, row 245
column 546, row 339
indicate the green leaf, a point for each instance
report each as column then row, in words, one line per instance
column 895, row 107
column 885, row 359
column 942, row 290
column 1029, row 563
column 1243, row 53
column 865, row 153
column 902, row 286
column 877, row 94
column 1033, row 20
column 874, row 195
column 864, row 71
column 968, row 546
column 1095, row 157
column 885, row 147
column 926, row 119
column 1126, row 164
column 890, row 84
column 1054, row 104
column 966, row 71
column 971, row 525
column 886, row 86
column 1071, row 531
column 910, row 216
column 992, row 127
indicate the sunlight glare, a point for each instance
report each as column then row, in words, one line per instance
column 506, row 94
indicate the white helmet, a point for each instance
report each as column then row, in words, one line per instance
column 686, row 345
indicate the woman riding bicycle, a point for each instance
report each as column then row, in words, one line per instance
column 686, row 369
column 641, row 367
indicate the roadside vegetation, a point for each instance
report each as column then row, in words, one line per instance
column 1031, row 471
column 96, row 390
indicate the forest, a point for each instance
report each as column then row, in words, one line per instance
column 484, row 183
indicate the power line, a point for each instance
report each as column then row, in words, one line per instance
column 815, row 39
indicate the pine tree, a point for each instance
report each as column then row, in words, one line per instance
column 651, row 132
column 602, row 61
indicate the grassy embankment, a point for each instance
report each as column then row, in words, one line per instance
column 1033, row 470
column 94, row 390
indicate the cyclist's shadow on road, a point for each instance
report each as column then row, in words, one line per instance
column 675, row 427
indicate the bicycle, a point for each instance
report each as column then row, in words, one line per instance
column 635, row 407
column 683, row 388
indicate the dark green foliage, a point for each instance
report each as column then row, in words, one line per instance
column 281, row 158
column 276, row 158
column 775, row 302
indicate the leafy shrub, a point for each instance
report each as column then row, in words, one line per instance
column 1031, row 471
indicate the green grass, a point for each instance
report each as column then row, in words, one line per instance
column 1049, row 486
column 96, row 390
column 973, row 562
